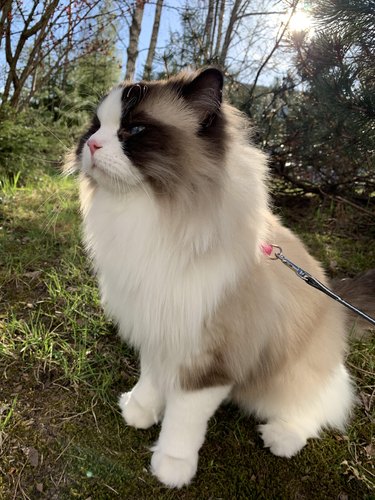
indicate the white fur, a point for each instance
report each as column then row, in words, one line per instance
column 175, row 457
column 144, row 405
column 157, row 285
column 153, row 271
column 290, row 425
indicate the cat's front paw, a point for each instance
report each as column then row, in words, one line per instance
column 282, row 438
column 173, row 472
column 135, row 414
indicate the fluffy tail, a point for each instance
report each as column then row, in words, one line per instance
column 359, row 291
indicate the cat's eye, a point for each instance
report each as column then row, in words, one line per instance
column 136, row 129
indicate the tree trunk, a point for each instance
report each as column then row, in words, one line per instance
column 207, row 32
column 134, row 32
column 229, row 33
column 219, row 29
column 6, row 9
column 154, row 38
column 69, row 45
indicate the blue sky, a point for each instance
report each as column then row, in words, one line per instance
column 169, row 21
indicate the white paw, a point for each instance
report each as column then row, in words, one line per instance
column 134, row 414
column 173, row 472
column 282, row 438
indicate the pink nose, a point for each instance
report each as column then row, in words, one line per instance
column 93, row 145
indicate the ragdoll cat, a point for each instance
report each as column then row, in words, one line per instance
column 175, row 212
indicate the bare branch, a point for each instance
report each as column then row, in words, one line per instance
column 274, row 48
column 265, row 13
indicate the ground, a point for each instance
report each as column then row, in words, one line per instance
column 63, row 368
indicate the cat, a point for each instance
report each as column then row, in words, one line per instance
column 176, row 212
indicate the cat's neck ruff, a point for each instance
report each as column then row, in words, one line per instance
column 162, row 278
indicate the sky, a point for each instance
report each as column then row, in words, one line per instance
column 170, row 21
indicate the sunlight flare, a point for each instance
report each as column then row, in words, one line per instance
column 301, row 21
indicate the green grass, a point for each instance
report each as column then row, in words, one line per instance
column 63, row 368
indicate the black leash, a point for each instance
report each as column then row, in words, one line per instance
column 310, row 280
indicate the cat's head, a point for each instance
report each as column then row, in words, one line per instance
column 165, row 134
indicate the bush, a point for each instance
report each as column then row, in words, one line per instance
column 30, row 143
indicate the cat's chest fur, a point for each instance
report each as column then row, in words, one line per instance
column 153, row 281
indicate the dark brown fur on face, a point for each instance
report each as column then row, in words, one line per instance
column 157, row 151
column 160, row 150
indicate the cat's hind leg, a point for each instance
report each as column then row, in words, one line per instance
column 298, row 408
column 175, row 458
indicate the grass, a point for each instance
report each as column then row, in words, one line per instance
column 63, row 367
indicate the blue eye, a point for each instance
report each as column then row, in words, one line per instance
column 136, row 129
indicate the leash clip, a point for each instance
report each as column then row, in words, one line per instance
column 276, row 255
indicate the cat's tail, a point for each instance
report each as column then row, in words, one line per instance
column 359, row 291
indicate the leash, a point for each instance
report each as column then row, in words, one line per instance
column 310, row 280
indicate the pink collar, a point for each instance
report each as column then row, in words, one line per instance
column 266, row 248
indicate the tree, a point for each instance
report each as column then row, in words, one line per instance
column 228, row 33
column 41, row 38
column 153, row 41
column 134, row 32
column 39, row 117
column 35, row 29
column 233, row 19
column 219, row 20
column 91, row 76
column 333, row 125
column 208, row 32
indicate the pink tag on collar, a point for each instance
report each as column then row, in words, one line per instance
column 266, row 249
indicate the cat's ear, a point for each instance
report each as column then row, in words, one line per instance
column 204, row 93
